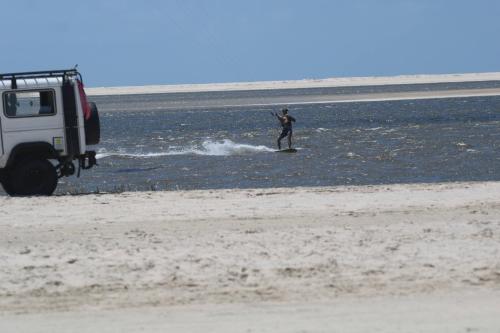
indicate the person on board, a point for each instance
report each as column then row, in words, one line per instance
column 286, row 122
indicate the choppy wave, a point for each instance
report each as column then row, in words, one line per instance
column 207, row 148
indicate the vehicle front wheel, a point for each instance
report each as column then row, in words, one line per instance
column 31, row 177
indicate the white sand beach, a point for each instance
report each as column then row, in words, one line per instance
column 319, row 97
column 297, row 84
column 227, row 100
column 392, row 258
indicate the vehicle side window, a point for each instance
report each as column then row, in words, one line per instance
column 29, row 103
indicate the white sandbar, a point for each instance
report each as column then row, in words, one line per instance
column 306, row 83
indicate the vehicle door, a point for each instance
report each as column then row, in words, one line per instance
column 31, row 116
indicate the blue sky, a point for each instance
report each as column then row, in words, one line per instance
column 124, row 42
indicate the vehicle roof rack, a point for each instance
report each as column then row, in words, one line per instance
column 40, row 74
column 64, row 73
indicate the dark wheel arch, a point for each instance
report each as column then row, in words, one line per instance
column 31, row 150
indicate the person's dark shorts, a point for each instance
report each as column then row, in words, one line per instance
column 284, row 133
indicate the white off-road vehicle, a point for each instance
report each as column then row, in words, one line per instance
column 46, row 123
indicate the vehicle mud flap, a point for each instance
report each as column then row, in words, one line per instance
column 87, row 161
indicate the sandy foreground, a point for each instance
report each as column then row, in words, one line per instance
column 347, row 259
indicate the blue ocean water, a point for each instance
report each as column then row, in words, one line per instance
column 200, row 141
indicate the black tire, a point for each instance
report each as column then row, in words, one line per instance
column 32, row 177
column 7, row 187
column 93, row 126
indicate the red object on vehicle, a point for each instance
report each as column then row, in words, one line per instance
column 83, row 99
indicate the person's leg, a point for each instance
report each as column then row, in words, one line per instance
column 290, row 140
column 283, row 134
